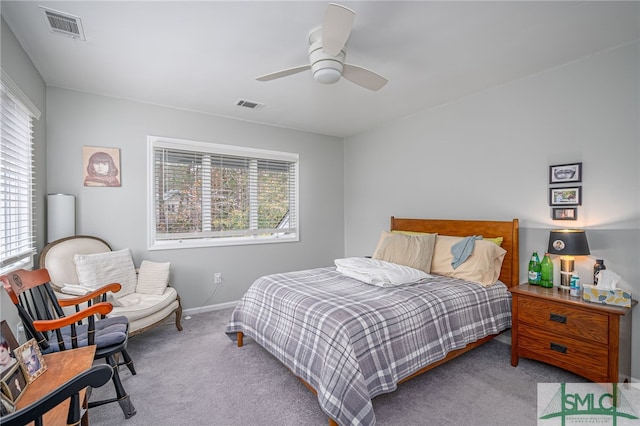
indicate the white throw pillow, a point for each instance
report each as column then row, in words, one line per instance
column 153, row 277
column 99, row 269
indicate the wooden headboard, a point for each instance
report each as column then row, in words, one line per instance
column 510, row 272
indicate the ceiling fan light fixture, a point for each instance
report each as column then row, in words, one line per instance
column 327, row 75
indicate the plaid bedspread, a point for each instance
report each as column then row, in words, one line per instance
column 352, row 341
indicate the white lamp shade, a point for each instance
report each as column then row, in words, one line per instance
column 61, row 216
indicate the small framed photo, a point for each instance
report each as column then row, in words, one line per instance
column 564, row 173
column 31, row 360
column 565, row 213
column 6, row 407
column 565, row 196
column 14, row 383
column 8, row 344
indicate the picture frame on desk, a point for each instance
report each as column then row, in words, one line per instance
column 8, row 344
column 31, row 360
column 8, row 336
column 6, row 407
column 14, row 384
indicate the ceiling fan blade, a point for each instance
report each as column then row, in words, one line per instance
column 363, row 77
column 338, row 21
column 283, row 73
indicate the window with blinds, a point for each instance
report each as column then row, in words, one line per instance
column 209, row 194
column 17, row 246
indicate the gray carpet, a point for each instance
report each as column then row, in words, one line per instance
column 198, row 376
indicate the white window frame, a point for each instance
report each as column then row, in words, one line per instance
column 17, row 193
column 158, row 142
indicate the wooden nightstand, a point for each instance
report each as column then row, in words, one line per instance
column 591, row 340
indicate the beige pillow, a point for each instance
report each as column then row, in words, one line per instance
column 98, row 269
column 153, row 277
column 482, row 267
column 415, row 251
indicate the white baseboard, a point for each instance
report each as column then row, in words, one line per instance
column 209, row 308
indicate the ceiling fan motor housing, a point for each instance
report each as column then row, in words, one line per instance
column 326, row 69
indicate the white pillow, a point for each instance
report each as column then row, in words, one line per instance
column 153, row 277
column 379, row 272
column 98, row 269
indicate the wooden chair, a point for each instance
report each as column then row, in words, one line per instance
column 44, row 320
column 94, row 377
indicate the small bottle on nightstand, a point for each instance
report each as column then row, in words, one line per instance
column 534, row 269
column 575, row 285
column 599, row 266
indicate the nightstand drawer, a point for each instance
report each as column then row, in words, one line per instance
column 587, row 359
column 562, row 319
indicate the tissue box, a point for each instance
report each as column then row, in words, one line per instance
column 617, row 297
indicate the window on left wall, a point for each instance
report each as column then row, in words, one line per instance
column 17, row 242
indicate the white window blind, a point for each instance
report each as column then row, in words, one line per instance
column 16, row 182
column 210, row 194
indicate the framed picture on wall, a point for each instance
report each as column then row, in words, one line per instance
column 565, row 173
column 564, row 213
column 565, row 196
column 101, row 166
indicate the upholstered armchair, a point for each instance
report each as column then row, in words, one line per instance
column 82, row 262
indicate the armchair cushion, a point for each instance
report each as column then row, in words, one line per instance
column 153, row 277
column 109, row 331
column 98, row 269
column 137, row 306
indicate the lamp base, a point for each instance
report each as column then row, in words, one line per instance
column 565, row 279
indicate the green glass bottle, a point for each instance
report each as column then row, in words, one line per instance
column 546, row 272
column 534, row 269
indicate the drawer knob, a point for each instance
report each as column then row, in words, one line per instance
column 562, row 319
column 558, row 348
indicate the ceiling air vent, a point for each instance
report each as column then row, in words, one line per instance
column 249, row 104
column 63, row 23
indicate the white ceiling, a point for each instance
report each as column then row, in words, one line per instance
column 205, row 55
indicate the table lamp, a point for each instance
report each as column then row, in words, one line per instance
column 568, row 243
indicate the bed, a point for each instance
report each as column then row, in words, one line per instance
column 349, row 341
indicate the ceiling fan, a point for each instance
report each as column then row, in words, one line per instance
column 327, row 52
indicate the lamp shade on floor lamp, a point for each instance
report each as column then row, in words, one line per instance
column 61, row 216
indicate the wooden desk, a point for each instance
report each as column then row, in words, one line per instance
column 61, row 367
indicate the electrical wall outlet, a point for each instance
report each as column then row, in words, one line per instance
column 217, row 278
